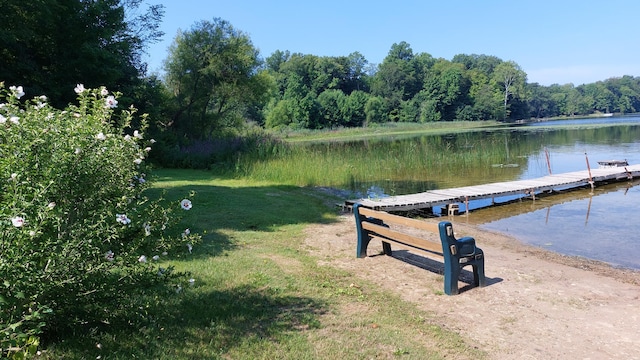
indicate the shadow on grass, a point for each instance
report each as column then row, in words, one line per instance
column 219, row 209
column 202, row 324
column 205, row 326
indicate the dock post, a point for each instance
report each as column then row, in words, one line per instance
column 466, row 206
column 546, row 152
column 589, row 168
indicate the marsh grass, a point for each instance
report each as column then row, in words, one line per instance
column 411, row 164
column 258, row 294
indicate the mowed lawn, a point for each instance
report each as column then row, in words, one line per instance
column 257, row 294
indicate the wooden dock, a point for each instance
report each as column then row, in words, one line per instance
column 531, row 187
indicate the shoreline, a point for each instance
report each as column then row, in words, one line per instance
column 626, row 275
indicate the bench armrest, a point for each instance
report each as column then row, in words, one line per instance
column 466, row 246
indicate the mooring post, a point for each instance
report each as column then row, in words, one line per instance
column 466, row 205
column 546, row 152
column 589, row 168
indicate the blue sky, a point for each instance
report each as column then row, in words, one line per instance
column 561, row 41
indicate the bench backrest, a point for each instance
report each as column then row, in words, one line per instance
column 376, row 224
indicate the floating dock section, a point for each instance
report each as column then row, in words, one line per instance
column 449, row 198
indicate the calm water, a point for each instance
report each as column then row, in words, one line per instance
column 601, row 225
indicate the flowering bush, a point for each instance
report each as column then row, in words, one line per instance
column 76, row 227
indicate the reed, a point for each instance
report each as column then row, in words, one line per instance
column 399, row 165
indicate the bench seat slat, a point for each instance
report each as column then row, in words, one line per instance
column 403, row 238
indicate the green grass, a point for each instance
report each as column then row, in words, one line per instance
column 258, row 294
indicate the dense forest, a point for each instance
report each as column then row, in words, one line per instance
column 215, row 81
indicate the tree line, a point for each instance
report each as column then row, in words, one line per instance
column 215, row 81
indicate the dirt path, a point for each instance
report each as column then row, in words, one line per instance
column 538, row 305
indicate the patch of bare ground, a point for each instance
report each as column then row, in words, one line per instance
column 537, row 304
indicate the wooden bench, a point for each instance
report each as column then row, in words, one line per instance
column 456, row 253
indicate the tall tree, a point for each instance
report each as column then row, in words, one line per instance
column 212, row 70
column 511, row 78
column 48, row 46
column 396, row 80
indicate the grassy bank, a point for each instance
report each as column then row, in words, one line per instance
column 389, row 129
column 258, row 294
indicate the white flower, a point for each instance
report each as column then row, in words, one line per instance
column 137, row 161
column 189, row 247
column 186, row 204
column 79, row 89
column 78, row 151
column 109, row 255
column 13, row 177
column 51, row 205
column 15, row 120
column 153, row 141
column 32, row 233
column 147, row 149
column 192, row 281
column 111, row 102
column 164, row 253
column 101, row 136
column 179, row 289
column 104, row 91
column 123, row 219
column 156, row 257
column 127, row 137
column 147, row 229
column 142, row 259
column 17, row 221
column 17, row 91
column 3, row 119
column 137, row 134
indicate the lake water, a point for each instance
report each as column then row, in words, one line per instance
column 601, row 225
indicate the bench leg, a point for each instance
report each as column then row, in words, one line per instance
column 451, row 276
column 386, row 248
column 363, row 243
column 478, row 274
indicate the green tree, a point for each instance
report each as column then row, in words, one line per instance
column 396, row 79
column 330, row 103
column 354, row 108
column 375, row 110
column 49, row 46
column 449, row 86
column 212, row 70
column 511, row 79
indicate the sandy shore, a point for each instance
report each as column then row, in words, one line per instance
column 537, row 305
